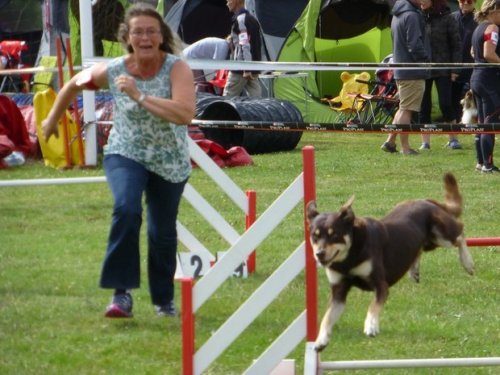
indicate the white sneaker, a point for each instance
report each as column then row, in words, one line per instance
column 15, row 159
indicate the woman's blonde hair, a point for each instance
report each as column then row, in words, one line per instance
column 171, row 41
column 486, row 8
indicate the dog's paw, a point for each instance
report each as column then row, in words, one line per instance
column 321, row 342
column 371, row 326
column 319, row 347
column 414, row 271
column 414, row 275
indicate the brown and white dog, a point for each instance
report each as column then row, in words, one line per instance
column 374, row 254
column 469, row 110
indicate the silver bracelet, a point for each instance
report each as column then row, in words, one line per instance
column 141, row 99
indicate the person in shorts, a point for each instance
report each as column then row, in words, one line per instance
column 410, row 44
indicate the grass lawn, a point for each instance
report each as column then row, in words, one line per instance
column 52, row 241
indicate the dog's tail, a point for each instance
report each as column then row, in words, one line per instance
column 453, row 198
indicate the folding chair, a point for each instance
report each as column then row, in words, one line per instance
column 11, row 50
column 377, row 107
column 380, row 105
column 346, row 103
column 219, row 81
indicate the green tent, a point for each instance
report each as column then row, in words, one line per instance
column 332, row 31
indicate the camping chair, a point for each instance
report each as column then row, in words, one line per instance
column 213, row 86
column 381, row 104
column 346, row 103
column 11, row 51
column 219, row 81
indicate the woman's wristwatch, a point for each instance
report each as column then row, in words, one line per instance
column 141, row 99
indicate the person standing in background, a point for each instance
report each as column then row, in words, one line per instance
column 485, row 82
column 210, row 48
column 147, row 154
column 445, row 48
column 409, row 45
column 466, row 26
column 246, row 41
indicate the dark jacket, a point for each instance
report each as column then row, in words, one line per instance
column 446, row 43
column 466, row 26
column 410, row 43
column 246, row 37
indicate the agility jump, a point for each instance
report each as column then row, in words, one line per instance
column 194, row 295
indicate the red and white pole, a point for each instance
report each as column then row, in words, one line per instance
column 250, row 219
column 483, row 241
column 311, row 270
column 188, row 326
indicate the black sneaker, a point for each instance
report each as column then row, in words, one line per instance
column 166, row 310
column 492, row 169
column 120, row 307
column 389, row 147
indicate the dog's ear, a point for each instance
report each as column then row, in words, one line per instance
column 311, row 211
column 346, row 211
column 349, row 203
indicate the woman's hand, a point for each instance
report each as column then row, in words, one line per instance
column 126, row 84
column 180, row 109
column 49, row 128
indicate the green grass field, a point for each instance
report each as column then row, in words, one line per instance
column 52, row 241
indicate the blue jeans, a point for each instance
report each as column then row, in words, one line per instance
column 128, row 180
